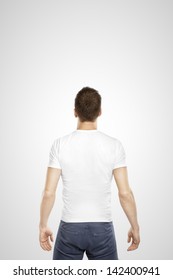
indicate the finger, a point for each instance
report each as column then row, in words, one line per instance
column 51, row 237
column 41, row 246
column 48, row 238
column 43, row 238
column 48, row 248
column 129, row 237
column 45, row 245
column 133, row 246
column 48, row 245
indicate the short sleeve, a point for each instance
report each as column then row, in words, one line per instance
column 54, row 155
column 120, row 156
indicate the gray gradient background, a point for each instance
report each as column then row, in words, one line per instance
column 49, row 51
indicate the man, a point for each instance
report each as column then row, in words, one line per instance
column 87, row 159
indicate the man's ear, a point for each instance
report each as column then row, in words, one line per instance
column 100, row 112
column 75, row 114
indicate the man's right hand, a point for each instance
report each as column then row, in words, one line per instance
column 45, row 237
column 134, row 238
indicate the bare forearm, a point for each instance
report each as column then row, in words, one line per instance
column 45, row 208
column 129, row 206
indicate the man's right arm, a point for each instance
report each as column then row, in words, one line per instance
column 128, row 204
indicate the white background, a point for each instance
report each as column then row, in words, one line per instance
column 49, row 51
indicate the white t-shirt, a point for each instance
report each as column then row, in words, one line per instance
column 87, row 159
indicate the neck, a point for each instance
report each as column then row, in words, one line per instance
column 87, row 125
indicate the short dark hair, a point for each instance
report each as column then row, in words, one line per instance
column 88, row 104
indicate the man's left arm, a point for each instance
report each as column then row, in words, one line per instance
column 48, row 199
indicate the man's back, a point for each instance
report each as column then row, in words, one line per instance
column 87, row 159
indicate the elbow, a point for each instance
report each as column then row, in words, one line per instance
column 48, row 195
column 126, row 195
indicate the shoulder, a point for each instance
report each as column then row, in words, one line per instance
column 62, row 139
column 112, row 140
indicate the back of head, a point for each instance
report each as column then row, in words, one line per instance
column 88, row 104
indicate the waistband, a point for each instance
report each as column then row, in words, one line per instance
column 86, row 223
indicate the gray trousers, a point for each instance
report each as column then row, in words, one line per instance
column 97, row 239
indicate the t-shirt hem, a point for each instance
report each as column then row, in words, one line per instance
column 119, row 165
column 54, row 166
column 85, row 220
